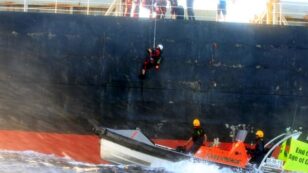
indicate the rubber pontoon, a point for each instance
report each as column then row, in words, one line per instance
column 132, row 147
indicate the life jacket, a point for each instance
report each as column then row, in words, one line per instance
column 198, row 134
column 156, row 53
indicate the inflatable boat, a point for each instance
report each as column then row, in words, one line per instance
column 132, row 147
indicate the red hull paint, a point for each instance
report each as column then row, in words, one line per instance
column 84, row 148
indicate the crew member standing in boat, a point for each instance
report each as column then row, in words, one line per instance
column 259, row 151
column 197, row 139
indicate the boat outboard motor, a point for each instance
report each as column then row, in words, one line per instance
column 241, row 136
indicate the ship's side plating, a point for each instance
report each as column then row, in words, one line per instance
column 58, row 71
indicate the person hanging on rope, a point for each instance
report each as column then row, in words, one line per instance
column 153, row 59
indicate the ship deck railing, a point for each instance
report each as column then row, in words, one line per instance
column 284, row 13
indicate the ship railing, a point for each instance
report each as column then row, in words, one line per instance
column 285, row 13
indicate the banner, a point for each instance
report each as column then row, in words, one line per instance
column 297, row 159
column 283, row 154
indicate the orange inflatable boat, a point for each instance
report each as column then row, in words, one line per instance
column 131, row 147
column 235, row 156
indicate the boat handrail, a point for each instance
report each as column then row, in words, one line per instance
column 162, row 146
column 287, row 136
column 274, row 139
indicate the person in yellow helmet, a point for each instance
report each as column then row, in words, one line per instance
column 197, row 139
column 259, row 151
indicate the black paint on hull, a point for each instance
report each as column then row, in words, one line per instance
column 59, row 71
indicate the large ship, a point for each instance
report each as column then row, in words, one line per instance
column 59, row 72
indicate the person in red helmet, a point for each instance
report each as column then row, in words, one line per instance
column 197, row 139
column 153, row 60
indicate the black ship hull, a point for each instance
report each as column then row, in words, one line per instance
column 60, row 71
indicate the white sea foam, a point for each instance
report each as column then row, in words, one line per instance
column 34, row 162
column 192, row 166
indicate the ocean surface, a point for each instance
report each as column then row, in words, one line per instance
column 33, row 162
